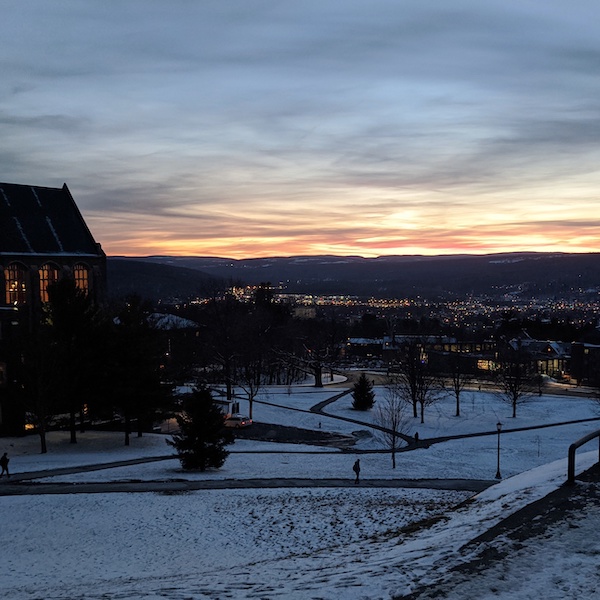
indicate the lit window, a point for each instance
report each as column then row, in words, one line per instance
column 14, row 277
column 48, row 276
column 81, row 274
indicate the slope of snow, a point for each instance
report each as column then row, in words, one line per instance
column 352, row 543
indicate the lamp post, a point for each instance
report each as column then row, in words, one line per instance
column 499, row 428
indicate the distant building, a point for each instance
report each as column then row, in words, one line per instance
column 585, row 367
column 546, row 357
column 43, row 238
column 363, row 347
column 304, row 312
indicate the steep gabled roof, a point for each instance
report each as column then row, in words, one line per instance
column 41, row 220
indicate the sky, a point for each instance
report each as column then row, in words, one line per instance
column 253, row 128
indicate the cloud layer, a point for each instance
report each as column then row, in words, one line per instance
column 264, row 127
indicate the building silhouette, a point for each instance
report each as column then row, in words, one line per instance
column 43, row 239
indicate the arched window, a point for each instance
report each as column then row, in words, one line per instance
column 14, row 281
column 82, row 277
column 48, row 276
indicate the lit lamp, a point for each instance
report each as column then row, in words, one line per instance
column 499, row 429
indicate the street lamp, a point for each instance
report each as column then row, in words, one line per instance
column 499, row 428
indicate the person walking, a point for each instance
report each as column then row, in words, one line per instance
column 356, row 469
column 4, row 464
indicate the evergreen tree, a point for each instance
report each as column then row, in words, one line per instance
column 202, row 436
column 363, row 396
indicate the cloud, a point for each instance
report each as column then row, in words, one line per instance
column 261, row 126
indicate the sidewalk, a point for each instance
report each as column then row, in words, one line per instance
column 22, row 489
column 26, row 483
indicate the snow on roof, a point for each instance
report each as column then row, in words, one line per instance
column 168, row 322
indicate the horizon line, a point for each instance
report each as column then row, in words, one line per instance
column 281, row 256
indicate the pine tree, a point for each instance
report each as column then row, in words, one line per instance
column 363, row 396
column 202, row 436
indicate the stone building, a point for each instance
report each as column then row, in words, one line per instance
column 43, row 238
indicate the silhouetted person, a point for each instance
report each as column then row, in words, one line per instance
column 4, row 464
column 356, row 469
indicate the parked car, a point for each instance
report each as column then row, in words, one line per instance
column 237, row 421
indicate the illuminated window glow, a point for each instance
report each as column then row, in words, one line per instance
column 15, row 288
column 48, row 276
column 82, row 277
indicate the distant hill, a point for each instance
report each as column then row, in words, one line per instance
column 387, row 276
column 154, row 281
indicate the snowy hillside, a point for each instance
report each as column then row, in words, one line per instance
column 351, row 542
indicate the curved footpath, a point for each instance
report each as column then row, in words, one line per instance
column 25, row 483
column 426, row 442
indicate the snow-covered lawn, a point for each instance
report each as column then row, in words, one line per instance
column 288, row 543
column 63, row 545
column 463, row 458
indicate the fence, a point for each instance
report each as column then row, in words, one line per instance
column 573, row 449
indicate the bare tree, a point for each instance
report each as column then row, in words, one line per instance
column 320, row 347
column 540, row 382
column 39, row 373
column 315, row 360
column 515, row 384
column 308, row 361
column 250, row 379
column 137, row 390
column 459, row 378
column 593, row 377
column 225, row 325
column 390, row 416
column 257, row 336
column 413, row 379
column 72, row 321
column 56, row 359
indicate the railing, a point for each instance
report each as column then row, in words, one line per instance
column 573, row 448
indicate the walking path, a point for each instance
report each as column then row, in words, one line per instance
column 20, row 488
column 26, row 483
column 319, row 409
column 426, row 442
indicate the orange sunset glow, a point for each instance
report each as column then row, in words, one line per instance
column 258, row 129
